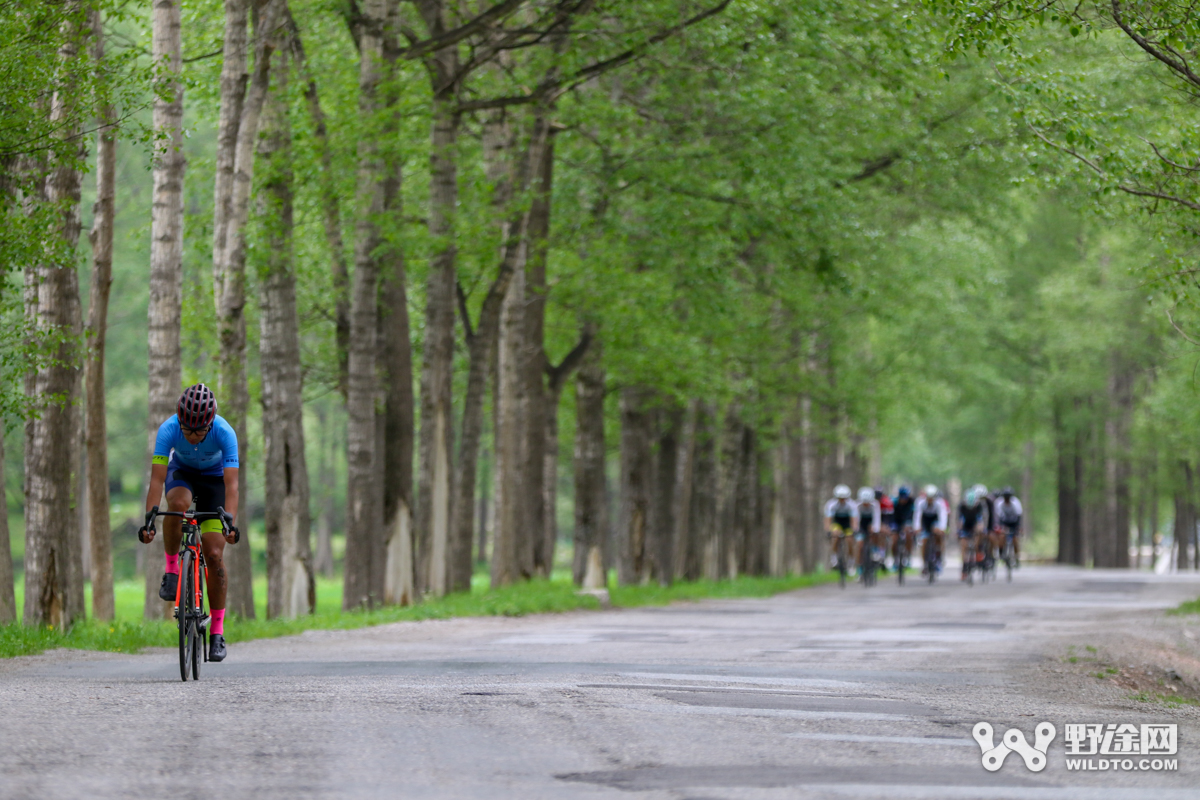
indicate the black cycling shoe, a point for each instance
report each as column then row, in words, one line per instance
column 170, row 583
column 216, row 647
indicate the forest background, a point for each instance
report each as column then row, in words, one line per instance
column 590, row 285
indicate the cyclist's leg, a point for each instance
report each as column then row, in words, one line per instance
column 210, row 495
column 963, row 542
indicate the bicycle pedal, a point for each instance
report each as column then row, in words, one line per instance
column 204, row 622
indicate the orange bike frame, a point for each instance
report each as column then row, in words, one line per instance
column 195, row 575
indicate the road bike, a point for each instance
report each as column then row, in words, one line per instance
column 189, row 592
column 929, row 555
column 901, row 555
column 1009, row 556
column 870, row 562
column 841, row 564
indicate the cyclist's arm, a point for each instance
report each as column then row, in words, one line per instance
column 231, row 491
column 158, row 479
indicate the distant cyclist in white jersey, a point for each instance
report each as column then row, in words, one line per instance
column 1008, row 521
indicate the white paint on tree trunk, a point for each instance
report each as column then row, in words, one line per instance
column 398, row 585
column 593, row 576
column 441, row 507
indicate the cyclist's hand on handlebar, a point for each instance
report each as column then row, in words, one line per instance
column 146, row 532
column 232, row 534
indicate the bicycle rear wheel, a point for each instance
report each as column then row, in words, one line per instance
column 901, row 561
column 184, row 614
column 841, row 561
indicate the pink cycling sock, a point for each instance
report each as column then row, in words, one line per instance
column 173, row 563
column 218, row 621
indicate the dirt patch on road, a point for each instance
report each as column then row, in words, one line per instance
column 1142, row 663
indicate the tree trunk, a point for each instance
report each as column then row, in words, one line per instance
column 54, row 587
column 512, row 551
column 432, row 529
column 240, row 596
column 750, row 501
column 331, row 216
column 1185, row 516
column 326, row 445
column 485, row 486
column 1070, row 539
column 166, row 257
column 100, row 534
column 362, row 492
column 291, row 590
column 8, row 597
column 1027, row 490
column 685, row 553
column 703, row 515
column 591, row 507
column 721, row 548
column 633, row 517
column 498, row 146
column 539, row 482
column 229, row 290
column 399, row 585
column 660, row 545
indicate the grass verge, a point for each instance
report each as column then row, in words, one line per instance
column 535, row 597
column 1187, row 607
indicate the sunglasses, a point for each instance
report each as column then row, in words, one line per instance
column 196, row 431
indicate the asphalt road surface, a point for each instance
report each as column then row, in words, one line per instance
column 820, row 693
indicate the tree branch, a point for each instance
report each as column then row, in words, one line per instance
column 1172, row 60
column 552, row 90
column 558, row 375
column 1179, row 329
column 462, row 310
column 456, row 35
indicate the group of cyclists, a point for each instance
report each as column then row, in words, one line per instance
column 876, row 525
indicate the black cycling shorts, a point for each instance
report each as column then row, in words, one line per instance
column 208, row 490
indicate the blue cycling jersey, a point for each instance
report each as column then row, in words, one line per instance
column 218, row 451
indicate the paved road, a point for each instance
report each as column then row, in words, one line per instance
column 819, row 693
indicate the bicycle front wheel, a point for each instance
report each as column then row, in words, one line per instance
column 184, row 614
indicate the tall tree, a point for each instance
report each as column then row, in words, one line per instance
column 229, row 271
column 103, row 601
column 591, row 501
column 291, row 589
column 53, row 576
column 166, row 247
column 363, row 502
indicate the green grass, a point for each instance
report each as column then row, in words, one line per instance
column 1164, row 699
column 1188, row 607
column 130, row 634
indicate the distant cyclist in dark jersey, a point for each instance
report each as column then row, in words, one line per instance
column 196, row 456
column 902, row 516
column 974, row 521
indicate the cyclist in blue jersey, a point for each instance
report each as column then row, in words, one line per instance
column 196, row 457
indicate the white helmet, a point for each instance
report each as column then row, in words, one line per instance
column 841, row 491
column 980, row 490
column 866, row 494
column 931, row 491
